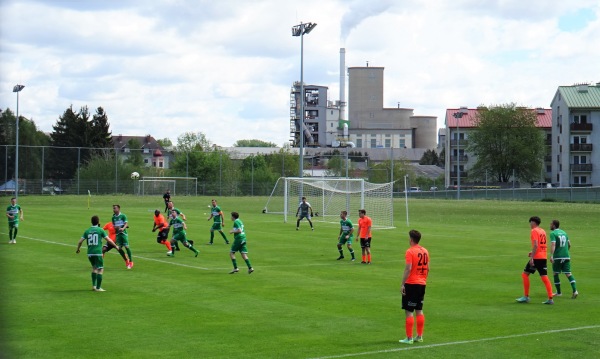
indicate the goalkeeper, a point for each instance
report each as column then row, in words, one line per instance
column 303, row 209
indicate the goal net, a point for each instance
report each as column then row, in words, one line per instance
column 329, row 196
column 179, row 186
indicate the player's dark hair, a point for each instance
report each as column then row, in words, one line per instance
column 303, row 197
column 414, row 235
column 344, row 213
column 362, row 211
column 156, row 212
column 117, row 205
column 95, row 220
column 556, row 223
column 12, row 198
column 235, row 215
column 535, row 219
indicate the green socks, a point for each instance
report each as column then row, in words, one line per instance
column 248, row 263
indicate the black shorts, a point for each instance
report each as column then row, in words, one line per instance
column 365, row 242
column 413, row 300
column 541, row 265
column 163, row 235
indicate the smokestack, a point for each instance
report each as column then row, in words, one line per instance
column 342, row 83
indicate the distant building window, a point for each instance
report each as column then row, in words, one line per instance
column 373, row 135
column 402, row 143
column 146, row 160
column 359, row 142
column 373, row 143
column 580, row 118
column 388, row 143
column 388, row 135
column 126, row 150
column 160, row 164
column 146, row 150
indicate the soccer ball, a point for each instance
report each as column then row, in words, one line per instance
column 135, row 175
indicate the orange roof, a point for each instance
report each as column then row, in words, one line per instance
column 544, row 117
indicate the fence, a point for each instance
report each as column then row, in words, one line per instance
column 575, row 194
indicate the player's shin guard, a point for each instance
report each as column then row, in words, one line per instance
column 410, row 322
column 557, row 283
column 94, row 279
column 234, row 262
column 129, row 254
column 10, row 234
column 98, row 280
column 352, row 253
column 548, row 285
column 15, row 233
column 420, row 324
column 123, row 255
column 525, row 277
column 572, row 281
column 248, row 263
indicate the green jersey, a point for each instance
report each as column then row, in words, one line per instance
column 93, row 237
column 346, row 226
column 177, row 225
column 119, row 221
column 561, row 240
column 239, row 237
column 13, row 211
column 216, row 213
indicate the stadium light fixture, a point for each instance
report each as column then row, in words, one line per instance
column 457, row 115
column 17, row 89
column 301, row 30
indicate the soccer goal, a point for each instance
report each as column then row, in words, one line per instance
column 329, row 196
column 179, row 186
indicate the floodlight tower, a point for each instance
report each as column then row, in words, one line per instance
column 17, row 89
column 301, row 30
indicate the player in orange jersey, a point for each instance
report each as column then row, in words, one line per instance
column 163, row 234
column 112, row 234
column 364, row 233
column 538, row 259
column 413, row 285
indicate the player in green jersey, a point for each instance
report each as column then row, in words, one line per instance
column 346, row 235
column 179, row 234
column 560, row 257
column 239, row 243
column 93, row 237
column 119, row 221
column 218, row 224
column 171, row 207
column 14, row 212
column 302, row 212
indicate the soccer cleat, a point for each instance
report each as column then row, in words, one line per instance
column 368, row 262
column 130, row 265
column 363, row 262
column 234, row 271
column 340, row 257
column 169, row 253
column 575, row 294
column 418, row 339
column 197, row 254
column 209, row 243
column 523, row 299
column 297, row 228
column 250, row 270
column 353, row 259
column 99, row 290
column 549, row 301
column 191, row 242
column 226, row 242
column 312, row 229
column 406, row 341
column 556, row 295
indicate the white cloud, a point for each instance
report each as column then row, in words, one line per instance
column 225, row 68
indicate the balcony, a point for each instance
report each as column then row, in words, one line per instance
column 463, row 158
column 461, row 142
column 463, row 174
column 581, row 147
column 587, row 127
column 587, row 167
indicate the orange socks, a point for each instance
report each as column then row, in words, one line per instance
column 525, row 277
column 364, row 258
column 420, row 324
column 369, row 257
column 548, row 285
column 168, row 244
column 410, row 322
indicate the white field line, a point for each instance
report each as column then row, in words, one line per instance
column 420, row 347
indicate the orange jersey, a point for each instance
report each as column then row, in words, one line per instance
column 418, row 258
column 364, row 224
column 110, row 230
column 161, row 219
column 538, row 236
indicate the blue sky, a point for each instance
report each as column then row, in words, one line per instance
column 225, row 68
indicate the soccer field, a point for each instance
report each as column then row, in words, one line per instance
column 300, row 302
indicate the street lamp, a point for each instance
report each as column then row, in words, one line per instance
column 457, row 116
column 300, row 30
column 17, row 89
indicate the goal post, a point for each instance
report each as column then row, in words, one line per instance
column 179, row 186
column 329, row 196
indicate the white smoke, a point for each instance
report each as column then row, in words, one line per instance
column 358, row 11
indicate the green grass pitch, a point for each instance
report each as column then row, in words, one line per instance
column 300, row 302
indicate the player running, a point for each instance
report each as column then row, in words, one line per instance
column 346, row 235
column 163, row 234
column 119, row 220
column 560, row 258
column 112, row 234
column 218, row 224
column 239, row 244
column 171, row 206
column 303, row 209
column 179, row 234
